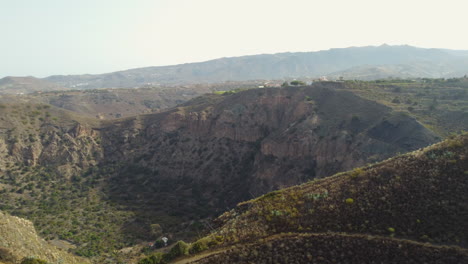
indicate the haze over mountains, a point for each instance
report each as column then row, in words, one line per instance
column 367, row 63
column 425, row 63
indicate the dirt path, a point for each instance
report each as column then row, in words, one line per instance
column 200, row 256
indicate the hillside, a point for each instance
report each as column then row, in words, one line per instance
column 119, row 103
column 43, row 151
column 195, row 160
column 435, row 63
column 399, row 210
column 19, row 241
column 391, row 71
column 441, row 105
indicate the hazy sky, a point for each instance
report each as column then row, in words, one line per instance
column 46, row 37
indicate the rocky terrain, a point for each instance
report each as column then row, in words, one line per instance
column 19, row 240
column 40, row 135
column 383, row 212
column 229, row 148
column 106, row 184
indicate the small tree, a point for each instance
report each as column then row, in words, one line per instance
column 179, row 249
column 156, row 230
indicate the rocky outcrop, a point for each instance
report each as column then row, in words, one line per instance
column 20, row 240
column 35, row 139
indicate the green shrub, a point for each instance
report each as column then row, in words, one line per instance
column 156, row 258
column 179, row 249
column 159, row 244
column 198, row 247
column 356, row 173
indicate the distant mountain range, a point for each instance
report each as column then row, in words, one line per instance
column 28, row 84
column 370, row 62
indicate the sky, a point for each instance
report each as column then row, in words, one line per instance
column 49, row 37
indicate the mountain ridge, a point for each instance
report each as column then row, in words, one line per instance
column 274, row 66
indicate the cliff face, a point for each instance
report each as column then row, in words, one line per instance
column 39, row 136
column 186, row 163
column 229, row 148
column 262, row 139
column 20, row 240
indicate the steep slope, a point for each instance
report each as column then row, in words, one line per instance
column 44, row 151
column 19, row 240
column 419, row 196
column 273, row 66
column 20, row 85
column 37, row 134
column 207, row 155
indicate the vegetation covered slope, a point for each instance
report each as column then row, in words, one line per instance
column 45, row 156
column 420, row 196
column 439, row 104
column 335, row 248
column 18, row 240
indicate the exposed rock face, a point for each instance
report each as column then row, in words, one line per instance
column 38, row 140
column 203, row 157
column 224, row 150
column 19, row 240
